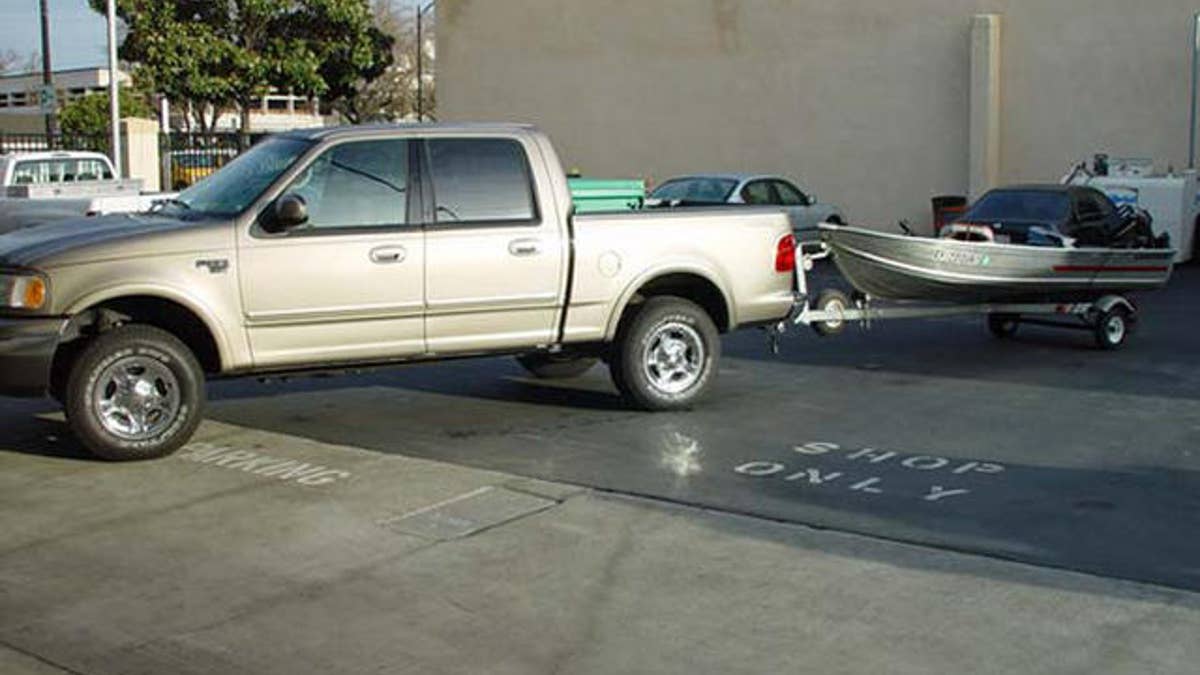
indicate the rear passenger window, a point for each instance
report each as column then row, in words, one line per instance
column 759, row 192
column 480, row 180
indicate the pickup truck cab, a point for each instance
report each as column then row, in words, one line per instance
column 40, row 187
column 332, row 249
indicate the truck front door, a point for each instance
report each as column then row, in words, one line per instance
column 348, row 285
column 494, row 261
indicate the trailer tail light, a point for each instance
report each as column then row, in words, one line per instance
column 785, row 254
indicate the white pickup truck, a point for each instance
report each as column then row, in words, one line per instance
column 39, row 187
column 340, row 248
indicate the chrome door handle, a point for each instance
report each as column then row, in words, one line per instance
column 385, row 255
column 523, row 247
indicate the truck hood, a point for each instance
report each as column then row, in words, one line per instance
column 116, row 236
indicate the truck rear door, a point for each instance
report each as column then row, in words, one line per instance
column 494, row 260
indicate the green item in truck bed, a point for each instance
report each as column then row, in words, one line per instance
column 596, row 195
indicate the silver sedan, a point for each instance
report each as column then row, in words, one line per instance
column 803, row 209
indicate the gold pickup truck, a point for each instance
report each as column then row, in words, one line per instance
column 331, row 249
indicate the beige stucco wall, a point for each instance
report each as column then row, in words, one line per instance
column 865, row 101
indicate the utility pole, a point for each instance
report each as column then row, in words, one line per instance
column 47, row 77
column 421, row 11
column 114, row 90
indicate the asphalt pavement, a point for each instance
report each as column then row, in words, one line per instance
column 915, row 498
column 1041, row 448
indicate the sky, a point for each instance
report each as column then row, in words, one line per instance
column 77, row 34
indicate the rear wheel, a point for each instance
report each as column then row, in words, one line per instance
column 556, row 366
column 665, row 357
column 135, row 392
column 1003, row 325
column 1112, row 328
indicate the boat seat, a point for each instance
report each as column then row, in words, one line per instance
column 968, row 232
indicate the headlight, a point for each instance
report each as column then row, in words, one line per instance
column 23, row 291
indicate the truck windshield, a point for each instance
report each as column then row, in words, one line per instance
column 229, row 191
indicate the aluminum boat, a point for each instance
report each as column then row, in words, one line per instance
column 899, row 267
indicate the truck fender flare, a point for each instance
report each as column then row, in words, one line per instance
column 626, row 297
column 199, row 309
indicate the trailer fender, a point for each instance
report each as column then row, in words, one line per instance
column 1110, row 302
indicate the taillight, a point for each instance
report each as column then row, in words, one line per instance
column 785, row 254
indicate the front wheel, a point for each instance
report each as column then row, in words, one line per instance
column 834, row 304
column 666, row 356
column 135, row 392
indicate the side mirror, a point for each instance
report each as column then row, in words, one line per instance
column 290, row 211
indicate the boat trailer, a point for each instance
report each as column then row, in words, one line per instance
column 1110, row 318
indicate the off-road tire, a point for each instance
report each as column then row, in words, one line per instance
column 628, row 362
column 108, row 349
column 556, row 366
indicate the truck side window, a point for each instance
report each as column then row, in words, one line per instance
column 352, row 185
column 480, row 180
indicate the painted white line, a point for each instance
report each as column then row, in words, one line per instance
column 433, row 507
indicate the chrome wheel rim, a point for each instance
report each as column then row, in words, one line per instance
column 136, row 398
column 838, row 309
column 1114, row 329
column 674, row 356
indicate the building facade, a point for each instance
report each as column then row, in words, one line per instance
column 20, row 95
column 875, row 105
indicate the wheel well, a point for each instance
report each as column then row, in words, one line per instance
column 690, row 287
column 148, row 310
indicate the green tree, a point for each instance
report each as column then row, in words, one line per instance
column 235, row 51
column 88, row 115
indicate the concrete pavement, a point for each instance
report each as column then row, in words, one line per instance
column 256, row 552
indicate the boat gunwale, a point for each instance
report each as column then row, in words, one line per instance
column 830, row 227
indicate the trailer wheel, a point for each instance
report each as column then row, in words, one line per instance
column 1112, row 328
column 1003, row 325
column 836, row 303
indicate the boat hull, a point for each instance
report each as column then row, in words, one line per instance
column 897, row 267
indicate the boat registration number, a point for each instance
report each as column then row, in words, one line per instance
column 967, row 258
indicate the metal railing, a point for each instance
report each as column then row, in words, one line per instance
column 20, row 143
column 188, row 157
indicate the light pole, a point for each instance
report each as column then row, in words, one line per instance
column 421, row 11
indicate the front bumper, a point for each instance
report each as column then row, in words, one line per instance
column 27, row 348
